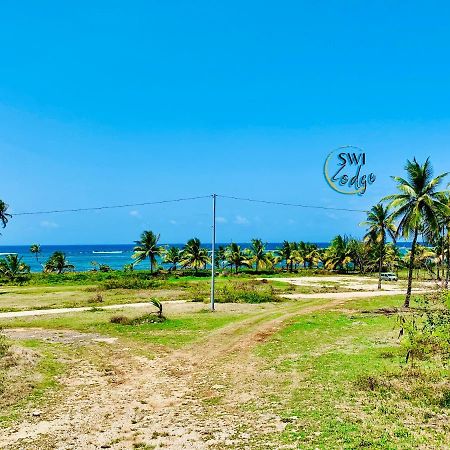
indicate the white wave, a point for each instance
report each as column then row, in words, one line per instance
column 107, row 253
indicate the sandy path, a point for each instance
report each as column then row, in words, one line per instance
column 166, row 402
column 44, row 312
column 358, row 287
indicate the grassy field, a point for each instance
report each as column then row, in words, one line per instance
column 307, row 374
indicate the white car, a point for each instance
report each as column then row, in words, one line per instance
column 389, row 276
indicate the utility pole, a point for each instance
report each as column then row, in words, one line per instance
column 213, row 251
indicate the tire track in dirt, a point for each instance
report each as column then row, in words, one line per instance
column 168, row 401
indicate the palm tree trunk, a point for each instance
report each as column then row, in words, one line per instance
column 151, row 264
column 447, row 278
column 380, row 268
column 411, row 269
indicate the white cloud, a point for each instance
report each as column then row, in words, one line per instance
column 48, row 224
column 291, row 222
column 173, row 222
column 221, row 219
column 241, row 220
column 135, row 213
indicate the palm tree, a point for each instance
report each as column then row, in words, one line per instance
column 311, row 254
column 58, row 263
column 172, row 256
column 237, row 258
column 147, row 247
column 272, row 260
column 417, row 203
column 285, row 254
column 338, row 255
column 4, row 215
column 424, row 257
column 392, row 257
column 12, row 267
column 193, row 255
column 259, row 255
column 35, row 249
column 379, row 225
column 220, row 257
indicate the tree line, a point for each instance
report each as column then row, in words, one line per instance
column 418, row 210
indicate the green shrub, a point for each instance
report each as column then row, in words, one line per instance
column 426, row 330
column 140, row 320
column 120, row 319
column 129, row 282
column 4, row 346
column 246, row 293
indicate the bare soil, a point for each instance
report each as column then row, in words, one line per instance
column 195, row 398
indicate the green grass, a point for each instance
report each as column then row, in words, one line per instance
column 30, row 392
column 322, row 365
column 178, row 330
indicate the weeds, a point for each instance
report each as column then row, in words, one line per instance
column 426, row 331
column 255, row 292
column 140, row 320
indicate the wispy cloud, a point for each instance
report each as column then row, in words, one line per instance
column 241, row 220
column 48, row 224
column 221, row 219
column 135, row 213
column 173, row 222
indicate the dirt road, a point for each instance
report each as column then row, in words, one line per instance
column 170, row 401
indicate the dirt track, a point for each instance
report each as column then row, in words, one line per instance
column 166, row 402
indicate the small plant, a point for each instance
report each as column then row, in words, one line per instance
column 426, row 331
column 97, row 298
column 247, row 293
column 4, row 346
column 130, row 282
column 157, row 304
column 120, row 319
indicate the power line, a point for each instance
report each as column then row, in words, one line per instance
column 159, row 202
column 298, row 205
column 97, row 208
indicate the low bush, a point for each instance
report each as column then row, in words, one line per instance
column 254, row 292
column 97, row 298
column 426, row 330
column 4, row 346
column 130, row 282
column 140, row 320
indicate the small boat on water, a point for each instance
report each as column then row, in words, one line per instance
column 8, row 253
column 107, row 252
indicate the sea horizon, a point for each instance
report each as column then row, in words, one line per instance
column 116, row 256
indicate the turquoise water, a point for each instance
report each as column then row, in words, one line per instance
column 114, row 255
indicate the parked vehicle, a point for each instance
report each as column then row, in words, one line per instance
column 389, row 276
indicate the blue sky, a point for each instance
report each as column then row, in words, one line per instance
column 113, row 102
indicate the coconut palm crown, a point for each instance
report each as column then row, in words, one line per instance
column 147, row 248
column 418, row 202
column 380, row 225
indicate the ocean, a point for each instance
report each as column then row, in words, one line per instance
column 114, row 255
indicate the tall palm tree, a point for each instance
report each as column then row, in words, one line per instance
column 58, row 263
column 172, row 256
column 380, row 225
column 237, row 257
column 417, row 203
column 338, row 254
column 220, row 257
column 4, row 215
column 11, row 267
column 147, row 247
column 194, row 255
column 259, row 255
column 311, row 254
column 285, row 254
column 35, row 249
